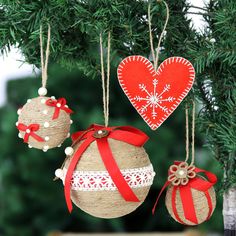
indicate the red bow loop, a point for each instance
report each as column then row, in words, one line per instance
column 100, row 134
column 59, row 104
column 202, row 184
column 30, row 131
column 126, row 134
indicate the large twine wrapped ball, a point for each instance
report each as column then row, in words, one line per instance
column 104, row 203
column 53, row 131
column 200, row 204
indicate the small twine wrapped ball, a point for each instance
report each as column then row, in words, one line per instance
column 200, row 204
column 108, row 203
column 37, row 123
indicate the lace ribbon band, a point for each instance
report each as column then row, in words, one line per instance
column 101, row 180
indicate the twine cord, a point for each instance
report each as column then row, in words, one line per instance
column 187, row 134
column 156, row 55
column 105, row 90
column 150, row 33
column 193, row 134
column 44, row 63
column 103, row 78
column 105, row 84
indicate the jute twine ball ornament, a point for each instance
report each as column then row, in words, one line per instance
column 190, row 197
column 44, row 122
column 92, row 189
column 107, row 172
column 201, row 205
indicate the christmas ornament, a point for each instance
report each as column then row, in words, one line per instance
column 107, row 172
column 155, row 92
column 44, row 122
column 190, row 197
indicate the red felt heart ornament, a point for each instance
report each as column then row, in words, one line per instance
column 155, row 94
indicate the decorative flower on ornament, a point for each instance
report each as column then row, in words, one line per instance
column 181, row 173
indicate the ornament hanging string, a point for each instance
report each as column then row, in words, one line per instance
column 187, row 134
column 105, row 89
column 105, row 84
column 193, row 133
column 44, row 63
column 155, row 56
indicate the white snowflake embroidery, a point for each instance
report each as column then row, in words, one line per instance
column 153, row 99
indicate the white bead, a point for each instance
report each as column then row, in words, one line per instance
column 42, row 91
column 45, row 112
column 58, row 105
column 46, row 124
column 28, row 131
column 46, row 138
column 59, row 145
column 29, row 100
column 212, row 40
column 71, row 121
column 17, row 123
column 19, row 111
column 52, row 97
column 29, row 146
column 68, row 135
column 19, row 135
column 181, row 172
column 69, row 151
column 59, row 173
column 45, row 148
column 43, row 100
column 99, row 131
column 66, row 106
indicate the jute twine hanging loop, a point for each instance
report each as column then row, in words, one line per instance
column 155, row 55
column 44, row 63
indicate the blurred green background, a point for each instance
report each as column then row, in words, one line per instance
column 32, row 204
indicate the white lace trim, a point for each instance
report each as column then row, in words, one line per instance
column 101, row 180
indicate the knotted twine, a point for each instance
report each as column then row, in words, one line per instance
column 155, row 56
column 187, row 134
column 105, row 84
column 44, row 63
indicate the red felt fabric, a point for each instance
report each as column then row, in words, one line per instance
column 155, row 95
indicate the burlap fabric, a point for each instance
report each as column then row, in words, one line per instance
column 109, row 204
column 200, row 204
column 36, row 111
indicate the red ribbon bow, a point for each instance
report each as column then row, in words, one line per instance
column 59, row 104
column 197, row 183
column 30, row 131
column 101, row 134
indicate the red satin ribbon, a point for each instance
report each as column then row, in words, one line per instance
column 197, row 183
column 59, row 104
column 125, row 134
column 32, row 128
